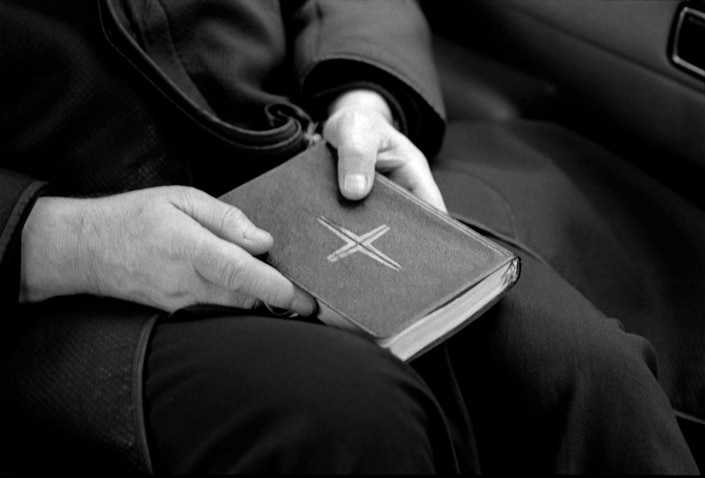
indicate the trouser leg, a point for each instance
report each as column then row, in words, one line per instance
column 254, row 394
column 629, row 244
column 553, row 386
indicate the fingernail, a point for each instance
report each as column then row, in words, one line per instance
column 355, row 184
column 278, row 311
column 304, row 304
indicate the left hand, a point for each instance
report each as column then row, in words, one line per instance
column 360, row 127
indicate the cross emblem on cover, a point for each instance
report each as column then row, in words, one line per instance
column 361, row 243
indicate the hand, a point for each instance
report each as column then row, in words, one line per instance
column 166, row 247
column 360, row 128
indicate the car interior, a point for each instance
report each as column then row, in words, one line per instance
column 617, row 82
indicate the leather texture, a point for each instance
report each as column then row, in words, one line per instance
column 635, row 30
column 610, row 60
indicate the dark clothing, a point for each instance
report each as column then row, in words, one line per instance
column 99, row 97
column 107, row 96
column 629, row 244
column 552, row 384
column 523, row 376
column 79, row 108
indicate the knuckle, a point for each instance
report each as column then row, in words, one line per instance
column 355, row 147
column 185, row 198
column 232, row 218
column 232, row 275
column 201, row 252
column 354, row 116
column 217, row 266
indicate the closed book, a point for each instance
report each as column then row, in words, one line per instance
column 389, row 266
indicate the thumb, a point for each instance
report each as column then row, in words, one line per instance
column 354, row 137
column 356, row 168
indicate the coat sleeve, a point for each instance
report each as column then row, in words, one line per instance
column 384, row 45
column 17, row 196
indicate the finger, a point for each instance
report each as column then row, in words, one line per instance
column 429, row 193
column 227, row 222
column 406, row 165
column 357, row 144
column 212, row 294
column 420, row 182
column 227, row 266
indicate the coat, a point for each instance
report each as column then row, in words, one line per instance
column 100, row 97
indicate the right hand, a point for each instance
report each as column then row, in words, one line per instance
column 166, row 247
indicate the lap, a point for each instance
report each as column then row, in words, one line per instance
column 223, row 391
column 262, row 385
column 286, row 396
column 628, row 244
column 552, row 382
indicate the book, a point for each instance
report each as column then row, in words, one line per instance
column 389, row 266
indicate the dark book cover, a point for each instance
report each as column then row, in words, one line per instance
column 379, row 265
